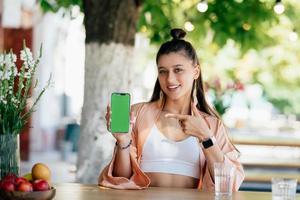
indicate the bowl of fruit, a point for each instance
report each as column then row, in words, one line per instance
column 32, row 186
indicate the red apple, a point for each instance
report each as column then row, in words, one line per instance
column 25, row 187
column 10, row 178
column 7, row 186
column 20, row 180
column 1, row 182
column 40, row 185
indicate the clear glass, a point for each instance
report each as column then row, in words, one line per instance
column 223, row 179
column 9, row 154
column 284, row 189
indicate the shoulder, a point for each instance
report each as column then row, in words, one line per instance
column 143, row 105
column 145, row 114
column 137, row 106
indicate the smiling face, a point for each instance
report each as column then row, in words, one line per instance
column 176, row 74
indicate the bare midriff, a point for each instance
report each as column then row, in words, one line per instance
column 172, row 180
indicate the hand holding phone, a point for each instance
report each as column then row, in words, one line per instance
column 127, row 118
column 121, row 138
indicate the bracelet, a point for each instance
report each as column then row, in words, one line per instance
column 122, row 148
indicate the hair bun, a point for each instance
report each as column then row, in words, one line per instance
column 177, row 33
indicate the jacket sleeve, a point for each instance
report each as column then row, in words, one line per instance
column 138, row 179
column 231, row 158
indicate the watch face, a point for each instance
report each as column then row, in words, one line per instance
column 208, row 143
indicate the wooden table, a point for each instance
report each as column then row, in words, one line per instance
column 90, row 192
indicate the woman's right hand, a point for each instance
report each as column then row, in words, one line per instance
column 123, row 139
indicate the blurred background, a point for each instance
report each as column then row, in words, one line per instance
column 249, row 53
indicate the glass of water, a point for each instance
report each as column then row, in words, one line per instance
column 284, row 189
column 224, row 175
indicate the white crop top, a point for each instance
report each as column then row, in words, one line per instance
column 163, row 155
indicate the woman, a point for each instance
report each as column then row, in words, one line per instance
column 175, row 139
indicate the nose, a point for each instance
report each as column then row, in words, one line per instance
column 171, row 77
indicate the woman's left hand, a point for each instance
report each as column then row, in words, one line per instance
column 193, row 125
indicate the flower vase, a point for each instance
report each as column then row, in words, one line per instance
column 9, row 154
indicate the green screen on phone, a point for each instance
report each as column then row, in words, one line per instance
column 120, row 112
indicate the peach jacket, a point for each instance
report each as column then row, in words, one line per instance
column 146, row 115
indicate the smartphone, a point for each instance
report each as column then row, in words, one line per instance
column 120, row 112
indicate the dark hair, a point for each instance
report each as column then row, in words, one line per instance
column 178, row 44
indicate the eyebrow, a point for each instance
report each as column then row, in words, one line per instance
column 177, row 65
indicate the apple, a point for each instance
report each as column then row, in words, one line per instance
column 7, row 186
column 25, row 187
column 40, row 185
column 20, row 180
column 1, row 182
column 10, row 178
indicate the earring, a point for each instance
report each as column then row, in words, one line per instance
column 161, row 95
column 161, row 99
column 195, row 92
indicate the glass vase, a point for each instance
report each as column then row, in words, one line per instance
column 9, row 154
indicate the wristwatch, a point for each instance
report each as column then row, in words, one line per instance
column 208, row 142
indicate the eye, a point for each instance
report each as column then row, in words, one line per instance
column 178, row 70
column 162, row 71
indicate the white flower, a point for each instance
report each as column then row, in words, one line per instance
column 31, row 63
column 15, row 101
column 26, row 54
column 6, row 75
column 15, row 71
column 14, row 57
column 27, row 75
column 26, row 65
column 9, row 60
column 1, row 59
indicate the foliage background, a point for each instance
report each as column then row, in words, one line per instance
column 235, row 39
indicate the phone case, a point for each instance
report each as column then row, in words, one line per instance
column 120, row 112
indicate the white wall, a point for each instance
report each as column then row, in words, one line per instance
column 63, row 57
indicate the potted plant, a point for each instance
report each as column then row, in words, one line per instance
column 15, row 86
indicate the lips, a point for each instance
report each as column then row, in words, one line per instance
column 173, row 87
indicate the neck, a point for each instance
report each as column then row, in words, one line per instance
column 180, row 106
